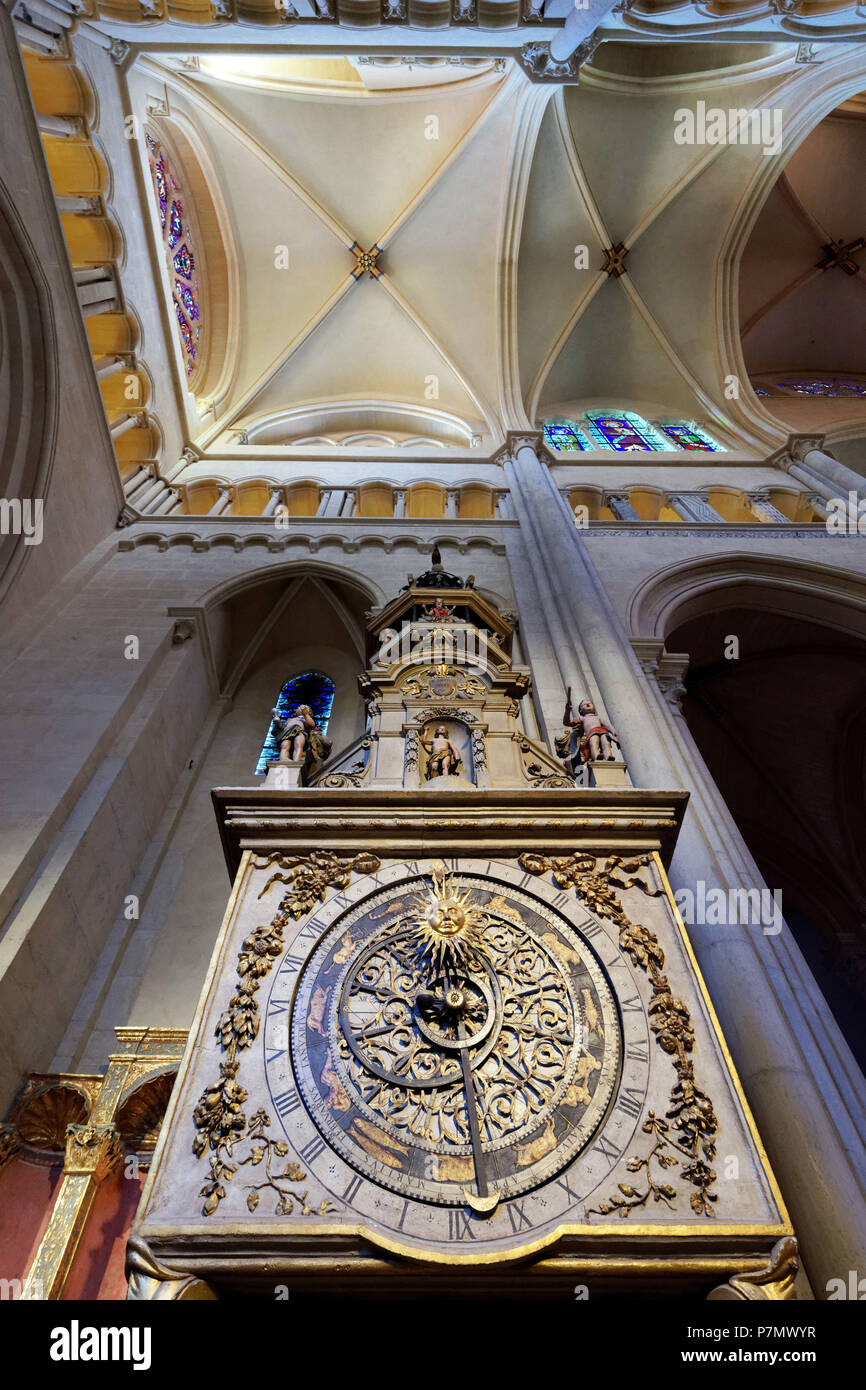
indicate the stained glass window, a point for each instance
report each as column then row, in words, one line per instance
column 627, row 432
column 180, row 255
column 565, row 436
column 826, row 387
column 310, row 688
column 690, row 437
column 761, row 391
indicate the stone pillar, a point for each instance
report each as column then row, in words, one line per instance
column 330, row 502
column 223, row 502
column 765, row 511
column 621, row 506
column 694, row 508
column 148, row 494
column 799, row 1074
column 140, row 484
column 805, row 460
column 274, row 501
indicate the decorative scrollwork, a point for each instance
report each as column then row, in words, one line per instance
column 219, row 1117
column 685, row 1137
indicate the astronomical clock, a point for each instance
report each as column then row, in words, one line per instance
column 453, row 1038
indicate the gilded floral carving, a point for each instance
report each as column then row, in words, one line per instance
column 684, row 1137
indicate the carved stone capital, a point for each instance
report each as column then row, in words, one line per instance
column 540, row 66
column 93, row 1151
column 795, row 450
column 10, row 1143
column 648, row 651
column 775, row 1281
column 118, row 51
column 151, row 1281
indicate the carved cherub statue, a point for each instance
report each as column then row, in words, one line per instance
column 597, row 741
column 443, row 760
column 300, row 736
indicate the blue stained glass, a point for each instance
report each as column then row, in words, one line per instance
column 826, row 387
column 761, row 391
column 565, row 437
column 175, row 226
column 161, row 193
column 687, row 438
column 187, row 299
column 185, row 333
column 184, row 262
column 310, row 688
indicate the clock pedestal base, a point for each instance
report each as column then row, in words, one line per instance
column 408, row 1005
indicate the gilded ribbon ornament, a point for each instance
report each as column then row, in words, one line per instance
column 219, row 1117
column 685, row 1136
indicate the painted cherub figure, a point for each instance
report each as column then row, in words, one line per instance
column 300, row 736
column 443, row 760
column 598, row 742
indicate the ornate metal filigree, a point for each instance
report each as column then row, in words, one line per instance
column 397, row 1027
column 685, row 1136
column 219, row 1116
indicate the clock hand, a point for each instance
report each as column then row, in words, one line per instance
column 484, row 1201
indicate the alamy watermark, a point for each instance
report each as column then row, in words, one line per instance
column 755, row 907
column 846, row 516
column 412, row 644
column 22, row 516
column 712, row 125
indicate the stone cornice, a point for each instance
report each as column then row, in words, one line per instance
column 401, row 822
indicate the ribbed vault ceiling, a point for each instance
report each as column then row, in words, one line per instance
column 480, row 312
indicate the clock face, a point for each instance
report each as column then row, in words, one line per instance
column 456, row 1046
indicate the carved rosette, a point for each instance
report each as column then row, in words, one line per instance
column 684, row 1137
column 230, row 1138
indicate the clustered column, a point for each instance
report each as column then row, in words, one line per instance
column 786, row 1043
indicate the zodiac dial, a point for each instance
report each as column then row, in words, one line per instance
column 455, row 1039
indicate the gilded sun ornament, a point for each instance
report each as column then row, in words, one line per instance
column 447, row 924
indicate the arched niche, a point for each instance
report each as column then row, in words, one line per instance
column 262, row 628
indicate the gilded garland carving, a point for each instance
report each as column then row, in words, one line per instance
column 685, row 1136
column 219, row 1116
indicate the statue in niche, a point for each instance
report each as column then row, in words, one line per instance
column 438, row 612
column 443, row 760
column 596, row 741
column 301, row 739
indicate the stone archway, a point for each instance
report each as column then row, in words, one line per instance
column 782, row 729
column 776, row 704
